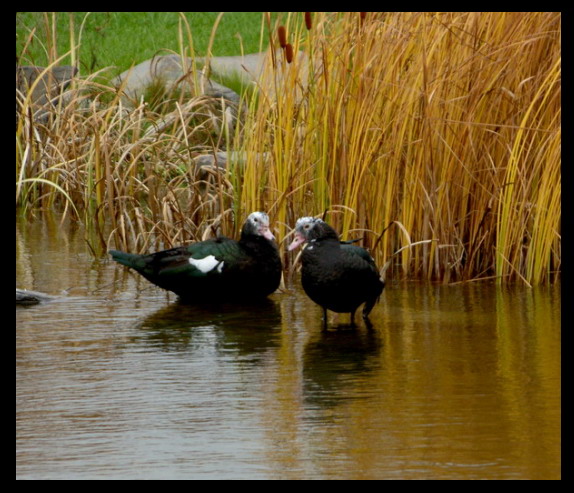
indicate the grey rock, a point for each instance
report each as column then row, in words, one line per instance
column 173, row 72
column 248, row 67
column 210, row 166
column 47, row 87
column 219, row 159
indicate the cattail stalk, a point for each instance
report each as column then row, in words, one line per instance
column 282, row 34
column 308, row 21
column 289, row 52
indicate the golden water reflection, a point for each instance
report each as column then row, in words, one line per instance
column 116, row 379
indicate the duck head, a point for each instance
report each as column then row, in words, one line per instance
column 257, row 224
column 309, row 229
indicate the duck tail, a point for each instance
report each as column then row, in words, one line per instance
column 128, row 259
column 371, row 302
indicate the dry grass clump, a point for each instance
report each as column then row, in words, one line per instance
column 131, row 170
column 444, row 125
column 125, row 168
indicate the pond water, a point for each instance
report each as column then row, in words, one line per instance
column 117, row 379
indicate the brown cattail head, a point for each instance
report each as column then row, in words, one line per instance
column 282, row 33
column 289, row 52
column 308, row 21
column 362, row 16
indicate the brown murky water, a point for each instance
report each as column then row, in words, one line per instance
column 116, row 379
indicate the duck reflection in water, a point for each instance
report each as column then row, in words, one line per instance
column 338, row 364
column 247, row 328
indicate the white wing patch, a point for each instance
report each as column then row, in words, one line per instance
column 207, row 264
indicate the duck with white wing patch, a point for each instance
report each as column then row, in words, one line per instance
column 216, row 269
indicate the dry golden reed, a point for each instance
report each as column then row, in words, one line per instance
column 445, row 126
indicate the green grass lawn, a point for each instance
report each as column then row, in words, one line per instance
column 120, row 39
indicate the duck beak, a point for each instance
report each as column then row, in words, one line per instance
column 266, row 233
column 299, row 240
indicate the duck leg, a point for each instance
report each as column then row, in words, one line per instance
column 324, row 318
column 366, row 310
